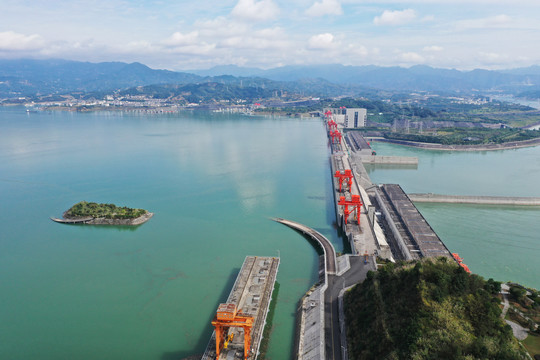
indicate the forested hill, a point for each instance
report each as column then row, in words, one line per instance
column 429, row 310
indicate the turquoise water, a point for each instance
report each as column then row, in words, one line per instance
column 213, row 182
column 501, row 242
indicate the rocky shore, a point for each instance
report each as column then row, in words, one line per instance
column 136, row 221
column 104, row 221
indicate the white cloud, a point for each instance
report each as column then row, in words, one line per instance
column 357, row 50
column 321, row 42
column 433, row 48
column 12, row 41
column 412, row 57
column 499, row 21
column 325, row 7
column 195, row 49
column 397, row 17
column 492, row 58
column 221, row 27
column 255, row 10
column 179, row 39
column 268, row 39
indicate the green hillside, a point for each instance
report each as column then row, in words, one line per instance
column 427, row 310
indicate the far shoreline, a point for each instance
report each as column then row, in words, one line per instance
column 478, row 147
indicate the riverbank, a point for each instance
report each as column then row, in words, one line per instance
column 480, row 147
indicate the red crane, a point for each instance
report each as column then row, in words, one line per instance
column 335, row 135
column 332, row 125
column 356, row 205
column 346, row 175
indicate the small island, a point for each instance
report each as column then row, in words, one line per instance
column 103, row 214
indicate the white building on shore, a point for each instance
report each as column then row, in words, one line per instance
column 349, row 118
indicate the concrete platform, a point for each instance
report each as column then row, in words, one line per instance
column 251, row 293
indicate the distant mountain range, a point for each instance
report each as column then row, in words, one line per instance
column 34, row 77
column 420, row 77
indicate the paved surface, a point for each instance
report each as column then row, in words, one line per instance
column 519, row 331
column 334, row 337
column 332, row 330
column 506, row 304
column 329, row 252
column 311, row 327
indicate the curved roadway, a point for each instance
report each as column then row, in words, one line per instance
column 334, row 335
column 329, row 252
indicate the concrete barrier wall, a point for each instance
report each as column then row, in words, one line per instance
column 483, row 200
column 397, row 160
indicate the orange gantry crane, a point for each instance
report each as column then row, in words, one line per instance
column 460, row 262
column 227, row 316
column 342, row 176
column 335, row 135
column 356, row 205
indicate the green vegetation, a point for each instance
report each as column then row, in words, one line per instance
column 108, row 211
column 263, row 348
column 525, row 311
column 204, row 92
column 467, row 136
column 532, row 344
column 427, row 310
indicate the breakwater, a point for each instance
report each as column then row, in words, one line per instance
column 479, row 147
column 482, row 200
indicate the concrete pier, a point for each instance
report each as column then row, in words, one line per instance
column 251, row 293
column 482, row 200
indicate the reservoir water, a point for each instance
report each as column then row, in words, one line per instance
column 502, row 242
column 213, row 181
column 149, row 292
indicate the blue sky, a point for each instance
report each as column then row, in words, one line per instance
column 182, row 35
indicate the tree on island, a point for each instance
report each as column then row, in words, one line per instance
column 107, row 211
